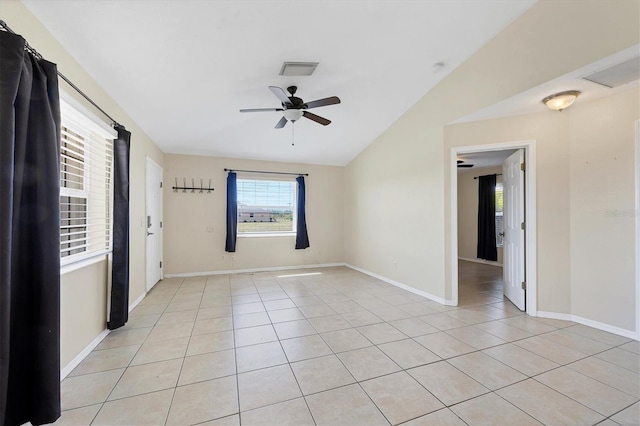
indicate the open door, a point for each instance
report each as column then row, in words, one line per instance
column 153, row 223
column 514, row 229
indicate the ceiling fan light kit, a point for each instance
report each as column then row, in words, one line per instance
column 561, row 100
column 292, row 114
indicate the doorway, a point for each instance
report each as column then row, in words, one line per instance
column 153, row 223
column 529, row 209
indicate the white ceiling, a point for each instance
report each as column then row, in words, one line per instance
column 482, row 160
column 182, row 69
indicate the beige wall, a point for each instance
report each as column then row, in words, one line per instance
column 190, row 248
column 585, row 170
column 394, row 215
column 602, row 203
column 468, row 211
column 550, row 133
column 81, row 287
column 83, row 309
column 398, row 189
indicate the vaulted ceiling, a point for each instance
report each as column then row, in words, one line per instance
column 183, row 68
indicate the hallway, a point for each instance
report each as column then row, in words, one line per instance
column 479, row 284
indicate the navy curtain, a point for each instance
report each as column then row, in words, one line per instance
column 119, row 314
column 487, row 218
column 29, row 236
column 302, row 239
column 232, row 212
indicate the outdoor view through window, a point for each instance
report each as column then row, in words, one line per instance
column 499, row 210
column 265, row 206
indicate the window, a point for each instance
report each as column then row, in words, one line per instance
column 265, row 206
column 85, row 183
column 499, row 215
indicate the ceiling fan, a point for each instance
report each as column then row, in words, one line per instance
column 293, row 107
column 462, row 164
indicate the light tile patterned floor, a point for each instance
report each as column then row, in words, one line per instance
column 335, row 347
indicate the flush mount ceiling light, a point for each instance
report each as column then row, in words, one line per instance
column 562, row 100
column 297, row 69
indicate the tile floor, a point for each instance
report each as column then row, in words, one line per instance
column 335, row 347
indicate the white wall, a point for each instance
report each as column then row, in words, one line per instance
column 189, row 248
column 468, row 211
column 83, row 288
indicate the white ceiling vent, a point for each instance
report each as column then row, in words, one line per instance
column 617, row 75
column 296, row 69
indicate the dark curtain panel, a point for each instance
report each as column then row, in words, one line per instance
column 29, row 236
column 119, row 314
column 232, row 212
column 487, row 218
column 302, row 239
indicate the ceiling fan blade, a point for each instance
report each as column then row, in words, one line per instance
column 465, row 165
column 316, row 118
column 323, row 102
column 281, row 123
column 260, row 109
column 280, row 94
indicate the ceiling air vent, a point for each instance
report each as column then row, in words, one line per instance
column 296, row 69
column 617, row 75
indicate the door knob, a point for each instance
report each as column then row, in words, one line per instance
column 149, row 233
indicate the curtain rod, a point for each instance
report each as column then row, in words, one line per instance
column 270, row 173
column 35, row 53
column 495, row 174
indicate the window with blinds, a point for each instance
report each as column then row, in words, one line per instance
column 265, row 206
column 499, row 215
column 86, row 153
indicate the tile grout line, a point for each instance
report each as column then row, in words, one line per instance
column 411, row 315
column 132, row 358
column 175, row 388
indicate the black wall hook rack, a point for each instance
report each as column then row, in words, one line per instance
column 201, row 190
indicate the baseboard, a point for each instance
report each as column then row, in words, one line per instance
column 86, row 351
column 82, row 355
column 590, row 323
column 402, row 286
column 245, row 271
column 137, row 301
column 484, row 262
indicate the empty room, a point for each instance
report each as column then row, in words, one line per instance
column 358, row 212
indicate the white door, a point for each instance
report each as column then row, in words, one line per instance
column 514, row 233
column 153, row 223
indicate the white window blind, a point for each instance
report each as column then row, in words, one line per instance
column 86, row 154
column 265, row 206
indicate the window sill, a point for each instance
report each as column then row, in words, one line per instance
column 266, row 234
column 82, row 263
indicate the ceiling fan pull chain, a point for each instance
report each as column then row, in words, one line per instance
column 293, row 133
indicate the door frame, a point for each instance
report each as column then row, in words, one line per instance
column 637, row 215
column 149, row 161
column 529, row 147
